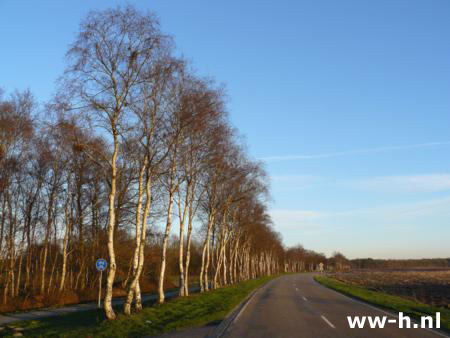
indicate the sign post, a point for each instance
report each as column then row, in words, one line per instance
column 101, row 265
column 320, row 267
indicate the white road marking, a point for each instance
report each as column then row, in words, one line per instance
column 327, row 321
column 296, row 289
column 374, row 308
column 304, row 298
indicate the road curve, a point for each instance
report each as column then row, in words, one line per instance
column 297, row 306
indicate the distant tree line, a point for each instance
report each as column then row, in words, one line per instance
column 133, row 144
column 299, row 259
column 369, row 263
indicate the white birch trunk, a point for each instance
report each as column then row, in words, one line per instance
column 188, row 250
column 164, row 250
column 131, row 287
column 66, row 243
column 148, row 202
column 112, row 219
column 182, row 218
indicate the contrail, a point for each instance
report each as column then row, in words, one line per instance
column 353, row 152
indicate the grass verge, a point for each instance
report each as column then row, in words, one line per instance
column 409, row 307
column 179, row 313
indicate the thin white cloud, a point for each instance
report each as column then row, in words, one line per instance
column 295, row 178
column 405, row 184
column 401, row 212
column 354, row 152
column 288, row 218
column 399, row 227
column 295, row 182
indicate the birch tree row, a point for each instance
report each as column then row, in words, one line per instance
column 133, row 148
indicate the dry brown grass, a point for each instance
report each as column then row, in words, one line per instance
column 69, row 297
column 428, row 286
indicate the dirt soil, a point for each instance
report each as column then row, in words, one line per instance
column 428, row 286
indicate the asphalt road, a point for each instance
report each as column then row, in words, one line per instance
column 297, row 306
column 59, row 311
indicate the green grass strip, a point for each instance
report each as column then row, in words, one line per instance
column 398, row 304
column 180, row 313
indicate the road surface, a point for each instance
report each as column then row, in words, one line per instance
column 297, row 306
column 59, row 311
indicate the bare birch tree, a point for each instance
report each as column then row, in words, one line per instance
column 106, row 66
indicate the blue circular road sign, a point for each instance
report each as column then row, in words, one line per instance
column 101, row 264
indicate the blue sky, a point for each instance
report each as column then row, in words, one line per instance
column 346, row 102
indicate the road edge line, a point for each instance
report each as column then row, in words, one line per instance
column 386, row 311
column 220, row 330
